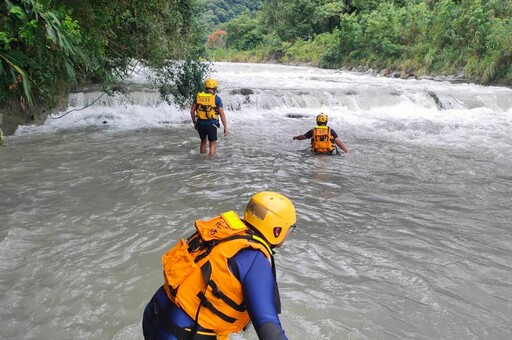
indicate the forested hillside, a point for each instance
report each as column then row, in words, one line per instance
column 220, row 11
column 404, row 37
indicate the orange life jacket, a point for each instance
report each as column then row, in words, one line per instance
column 198, row 279
column 206, row 108
column 322, row 140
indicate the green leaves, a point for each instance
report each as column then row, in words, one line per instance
column 244, row 33
column 178, row 81
column 409, row 36
column 38, row 51
column 18, row 74
column 64, row 42
column 16, row 11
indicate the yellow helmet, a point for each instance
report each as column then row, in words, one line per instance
column 272, row 215
column 321, row 119
column 211, row 83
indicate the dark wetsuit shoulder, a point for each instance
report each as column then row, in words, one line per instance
column 309, row 134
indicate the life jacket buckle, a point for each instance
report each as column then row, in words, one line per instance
column 216, row 292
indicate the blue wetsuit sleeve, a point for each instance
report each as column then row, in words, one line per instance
column 218, row 102
column 258, row 285
column 309, row 134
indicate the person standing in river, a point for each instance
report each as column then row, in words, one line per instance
column 224, row 276
column 205, row 112
column 323, row 139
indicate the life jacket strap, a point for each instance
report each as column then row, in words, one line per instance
column 157, row 312
column 209, row 305
column 216, row 291
column 277, row 297
column 206, row 269
column 208, row 245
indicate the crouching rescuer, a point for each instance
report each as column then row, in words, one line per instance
column 324, row 140
column 223, row 276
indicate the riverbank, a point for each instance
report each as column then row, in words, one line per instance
column 458, row 78
column 15, row 113
column 312, row 58
column 452, row 78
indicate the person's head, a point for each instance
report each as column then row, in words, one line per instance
column 211, row 84
column 322, row 119
column 272, row 215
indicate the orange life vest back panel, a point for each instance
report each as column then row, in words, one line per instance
column 197, row 276
column 206, row 108
column 322, row 140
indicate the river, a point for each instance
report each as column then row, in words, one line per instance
column 407, row 237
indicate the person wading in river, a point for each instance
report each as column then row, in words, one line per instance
column 224, row 276
column 205, row 112
column 323, row 139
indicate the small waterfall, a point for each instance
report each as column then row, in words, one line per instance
column 362, row 99
column 126, row 94
column 261, row 89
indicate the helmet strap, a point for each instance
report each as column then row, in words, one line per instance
column 259, row 235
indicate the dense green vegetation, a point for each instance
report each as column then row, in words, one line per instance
column 420, row 37
column 47, row 46
column 216, row 12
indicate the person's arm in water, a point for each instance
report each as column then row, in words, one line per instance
column 223, row 119
column 307, row 135
column 258, row 284
column 220, row 110
column 341, row 145
column 339, row 142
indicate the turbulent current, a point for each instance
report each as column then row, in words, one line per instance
column 407, row 237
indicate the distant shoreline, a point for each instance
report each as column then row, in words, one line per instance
column 454, row 79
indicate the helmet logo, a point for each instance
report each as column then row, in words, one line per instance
column 257, row 210
column 210, row 83
column 277, row 231
column 321, row 119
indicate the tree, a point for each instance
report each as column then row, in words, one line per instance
column 289, row 19
column 327, row 16
column 217, row 39
column 54, row 44
column 36, row 43
column 243, row 33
